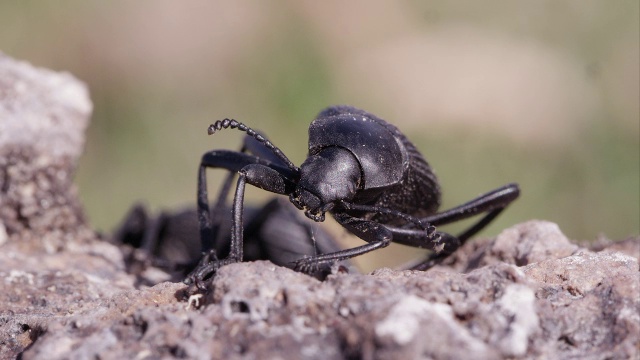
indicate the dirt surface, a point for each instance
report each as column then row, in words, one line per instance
column 65, row 293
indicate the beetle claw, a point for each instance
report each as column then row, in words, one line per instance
column 305, row 265
column 206, row 268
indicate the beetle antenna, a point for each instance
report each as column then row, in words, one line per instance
column 233, row 124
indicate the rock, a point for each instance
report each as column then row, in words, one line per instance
column 583, row 306
column 43, row 117
column 629, row 246
column 591, row 303
column 526, row 243
column 51, row 263
column 529, row 293
column 42, row 109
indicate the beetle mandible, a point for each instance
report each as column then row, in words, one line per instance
column 363, row 171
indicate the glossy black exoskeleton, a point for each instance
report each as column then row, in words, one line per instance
column 363, row 171
column 275, row 231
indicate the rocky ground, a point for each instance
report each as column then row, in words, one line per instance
column 65, row 293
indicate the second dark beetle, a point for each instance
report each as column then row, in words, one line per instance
column 363, row 171
column 275, row 231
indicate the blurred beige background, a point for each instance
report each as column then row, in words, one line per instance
column 543, row 93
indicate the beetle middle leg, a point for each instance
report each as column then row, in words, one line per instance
column 377, row 236
column 491, row 203
column 420, row 233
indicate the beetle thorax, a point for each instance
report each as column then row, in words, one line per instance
column 330, row 176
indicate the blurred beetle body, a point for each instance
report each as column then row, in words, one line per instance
column 170, row 240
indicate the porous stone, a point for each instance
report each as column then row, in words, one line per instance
column 581, row 306
column 520, row 245
column 42, row 109
column 43, row 117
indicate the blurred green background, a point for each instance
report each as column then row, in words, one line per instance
column 543, row 93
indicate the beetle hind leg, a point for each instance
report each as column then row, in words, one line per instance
column 447, row 245
column 490, row 204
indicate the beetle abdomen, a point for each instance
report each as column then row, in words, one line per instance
column 418, row 194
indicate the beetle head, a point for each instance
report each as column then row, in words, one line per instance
column 330, row 176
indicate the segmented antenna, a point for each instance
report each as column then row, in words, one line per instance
column 233, row 124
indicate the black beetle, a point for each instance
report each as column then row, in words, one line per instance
column 363, row 171
column 275, row 232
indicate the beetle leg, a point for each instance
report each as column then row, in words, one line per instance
column 249, row 144
column 442, row 244
column 427, row 238
column 209, row 264
column 491, row 203
column 262, row 177
column 430, row 261
column 411, row 220
column 378, row 236
column 232, row 161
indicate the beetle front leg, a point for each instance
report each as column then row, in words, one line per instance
column 377, row 236
column 250, row 144
column 235, row 162
column 209, row 264
column 262, row 177
column 258, row 175
column 235, row 252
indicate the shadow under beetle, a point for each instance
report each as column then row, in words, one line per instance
column 362, row 170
